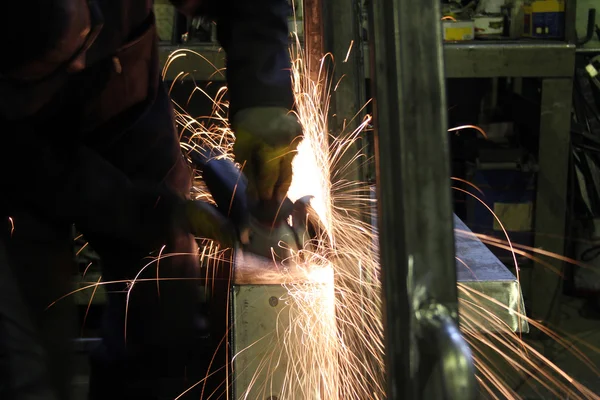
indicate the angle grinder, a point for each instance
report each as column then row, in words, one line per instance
column 271, row 230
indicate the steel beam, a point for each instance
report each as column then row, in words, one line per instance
column 512, row 59
column 414, row 202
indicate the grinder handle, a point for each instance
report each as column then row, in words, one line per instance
column 227, row 185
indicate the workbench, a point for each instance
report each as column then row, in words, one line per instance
column 553, row 63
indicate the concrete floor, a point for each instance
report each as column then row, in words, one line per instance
column 580, row 333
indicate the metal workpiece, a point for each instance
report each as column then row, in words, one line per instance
column 260, row 318
column 413, row 189
column 486, row 283
column 534, row 59
column 252, row 269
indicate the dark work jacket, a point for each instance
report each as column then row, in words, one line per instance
column 52, row 162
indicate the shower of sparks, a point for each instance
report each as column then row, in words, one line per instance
column 333, row 334
column 338, row 306
column 332, row 340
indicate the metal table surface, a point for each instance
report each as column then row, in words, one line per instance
column 475, row 59
column 518, row 58
column 488, row 59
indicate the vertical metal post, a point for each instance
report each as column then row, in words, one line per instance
column 571, row 21
column 338, row 25
column 414, row 204
column 333, row 27
column 551, row 196
column 313, row 34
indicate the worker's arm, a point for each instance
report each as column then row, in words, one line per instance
column 254, row 35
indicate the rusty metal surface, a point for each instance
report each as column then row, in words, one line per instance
column 313, row 33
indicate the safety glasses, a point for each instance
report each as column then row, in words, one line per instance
column 96, row 22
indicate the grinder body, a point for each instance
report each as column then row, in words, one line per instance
column 264, row 227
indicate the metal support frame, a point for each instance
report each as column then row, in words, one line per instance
column 415, row 213
column 509, row 59
column 571, row 21
column 551, row 196
column 324, row 34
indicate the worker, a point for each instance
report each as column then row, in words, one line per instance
column 88, row 138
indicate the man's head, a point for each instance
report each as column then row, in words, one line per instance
column 43, row 35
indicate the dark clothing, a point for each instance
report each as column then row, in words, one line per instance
column 103, row 153
column 254, row 35
column 21, row 349
column 41, row 256
column 149, row 330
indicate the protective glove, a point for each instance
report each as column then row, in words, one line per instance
column 205, row 221
column 265, row 145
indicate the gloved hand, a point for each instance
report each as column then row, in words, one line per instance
column 265, row 145
column 205, row 221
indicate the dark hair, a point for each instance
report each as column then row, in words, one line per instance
column 30, row 29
